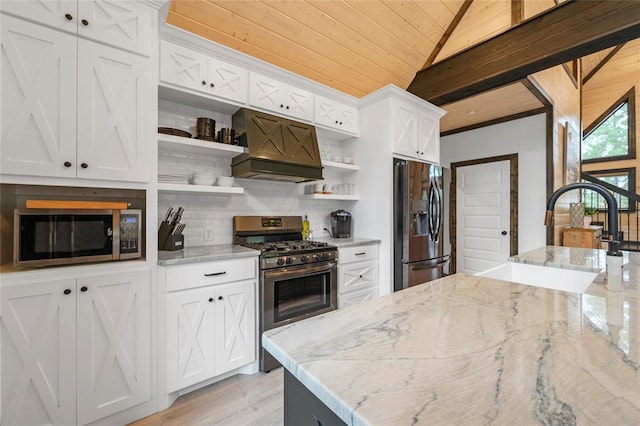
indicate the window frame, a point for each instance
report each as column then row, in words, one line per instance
column 630, row 99
column 631, row 176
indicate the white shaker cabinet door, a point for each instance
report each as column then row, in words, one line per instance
column 38, row 100
column 60, row 14
column 265, row 92
column 114, row 343
column 235, row 327
column 297, row 103
column 182, row 66
column 124, row 24
column 357, row 276
column 404, row 122
column 227, row 81
column 38, row 341
column 335, row 115
column 429, row 143
column 113, row 114
column 190, row 337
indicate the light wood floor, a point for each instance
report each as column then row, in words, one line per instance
column 237, row 401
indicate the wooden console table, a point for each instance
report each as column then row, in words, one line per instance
column 587, row 237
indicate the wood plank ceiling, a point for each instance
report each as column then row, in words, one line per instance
column 359, row 46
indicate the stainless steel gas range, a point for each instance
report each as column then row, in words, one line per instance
column 298, row 278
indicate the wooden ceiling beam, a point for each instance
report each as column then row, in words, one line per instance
column 517, row 12
column 568, row 31
column 450, row 29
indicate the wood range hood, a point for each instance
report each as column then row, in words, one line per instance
column 279, row 149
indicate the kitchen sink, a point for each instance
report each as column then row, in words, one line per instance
column 542, row 276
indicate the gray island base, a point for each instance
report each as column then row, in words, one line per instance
column 472, row 350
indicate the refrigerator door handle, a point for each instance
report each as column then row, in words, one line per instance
column 431, row 266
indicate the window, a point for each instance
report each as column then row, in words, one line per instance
column 622, row 178
column 612, row 135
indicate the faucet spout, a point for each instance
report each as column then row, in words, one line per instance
column 612, row 211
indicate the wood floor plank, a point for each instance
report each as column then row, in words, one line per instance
column 239, row 400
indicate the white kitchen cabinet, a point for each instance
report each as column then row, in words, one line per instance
column 123, row 24
column 75, row 350
column 57, row 123
column 357, row 274
column 335, row 115
column 415, row 131
column 193, row 70
column 210, row 320
column 279, row 97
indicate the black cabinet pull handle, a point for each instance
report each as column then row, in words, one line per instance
column 215, row 274
column 68, row 16
column 85, row 22
column 83, row 288
column 67, row 163
column 220, row 297
column 84, row 165
column 362, row 253
column 211, row 299
column 67, row 291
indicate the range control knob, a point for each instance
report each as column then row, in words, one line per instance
column 289, row 261
column 304, row 258
column 280, row 261
column 324, row 256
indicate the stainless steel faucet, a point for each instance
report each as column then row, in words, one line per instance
column 612, row 212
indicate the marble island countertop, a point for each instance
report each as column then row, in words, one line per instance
column 472, row 350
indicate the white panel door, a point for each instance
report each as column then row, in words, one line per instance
column 38, row 100
column 190, row 337
column 120, row 23
column 483, row 216
column 235, row 325
column 114, row 343
column 227, row 81
column 113, row 114
column 182, row 66
column 38, row 326
column 56, row 13
column 404, row 125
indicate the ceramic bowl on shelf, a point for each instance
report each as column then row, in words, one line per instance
column 203, row 178
column 225, row 180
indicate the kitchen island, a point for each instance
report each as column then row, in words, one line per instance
column 471, row 350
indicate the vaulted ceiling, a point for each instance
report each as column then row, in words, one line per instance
column 358, row 46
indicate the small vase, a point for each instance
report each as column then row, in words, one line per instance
column 576, row 215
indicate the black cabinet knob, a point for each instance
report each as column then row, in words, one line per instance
column 84, row 165
column 504, row 232
column 281, row 106
column 287, row 106
column 220, row 298
column 341, row 123
column 212, row 85
column 204, row 83
column 211, row 299
column 83, row 288
column 85, row 22
column 360, row 275
column 422, row 153
column 417, row 152
column 67, row 163
column 68, row 16
column 67, row 291
column 336, row 121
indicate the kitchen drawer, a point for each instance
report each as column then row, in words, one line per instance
column 357, row 276
column 357, row 253
column 209, row 273
column 356, row 297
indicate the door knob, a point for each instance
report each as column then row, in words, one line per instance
column 504, row 232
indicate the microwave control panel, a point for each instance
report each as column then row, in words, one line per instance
column 130, row 232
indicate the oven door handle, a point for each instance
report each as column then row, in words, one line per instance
column 299, row 270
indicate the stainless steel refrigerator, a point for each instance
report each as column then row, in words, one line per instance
column 417, row 214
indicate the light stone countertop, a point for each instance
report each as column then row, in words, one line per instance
column 204, row 254
column 348, row 242
column 472, row 350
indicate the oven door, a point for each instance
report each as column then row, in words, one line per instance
column 292, row 294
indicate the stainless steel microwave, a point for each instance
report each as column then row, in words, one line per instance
column 45, row 237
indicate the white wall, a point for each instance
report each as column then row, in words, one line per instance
column 526, row 137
